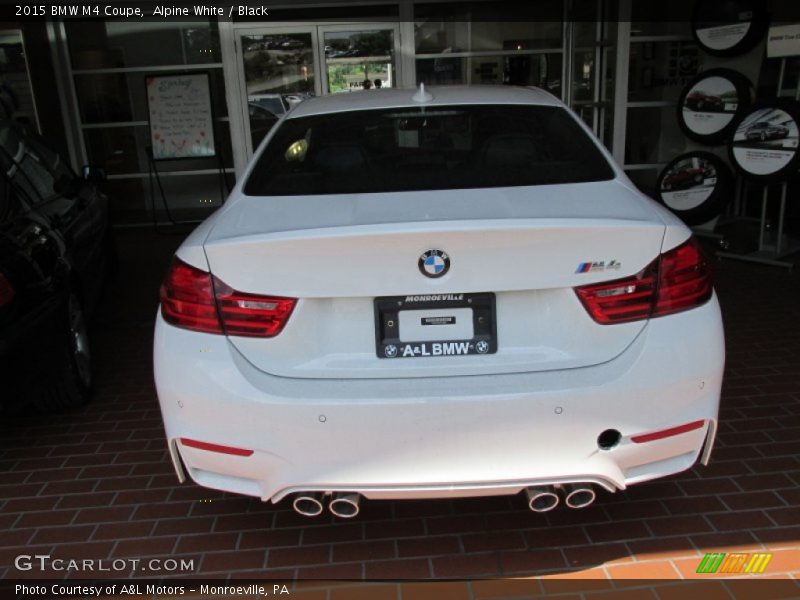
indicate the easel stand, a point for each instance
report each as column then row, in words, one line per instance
column 773, row 247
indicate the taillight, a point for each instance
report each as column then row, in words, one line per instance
column 251, row 315
column 194, row 299
column 684, row 279
column 187, row 299
column 6, row 291
column 677, row 280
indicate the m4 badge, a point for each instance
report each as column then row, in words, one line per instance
column 598, row 265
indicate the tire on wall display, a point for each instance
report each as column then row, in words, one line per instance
column 709, row 104
column 696, row 186
column 764, row 144
column 729, row 27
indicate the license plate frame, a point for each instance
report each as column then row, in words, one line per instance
column 388, row 344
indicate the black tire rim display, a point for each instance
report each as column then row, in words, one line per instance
column 696, row 186
column 729, row 27
column 764, row 141
column 710, row 103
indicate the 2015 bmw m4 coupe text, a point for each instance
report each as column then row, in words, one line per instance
column 435, row 294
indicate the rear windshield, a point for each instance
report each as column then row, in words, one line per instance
column 426, row 148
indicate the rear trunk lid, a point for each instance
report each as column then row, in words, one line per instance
column 528, row 246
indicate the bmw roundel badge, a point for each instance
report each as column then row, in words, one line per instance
column 434, row 263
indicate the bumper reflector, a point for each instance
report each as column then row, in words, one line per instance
column 665, row 433
column 215, row 447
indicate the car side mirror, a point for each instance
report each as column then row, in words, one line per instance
column 93, row 174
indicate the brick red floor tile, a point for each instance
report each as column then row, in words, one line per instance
column 411, row 568
column 336, row 571
column 466, row 565
column 429, row 546
column 269, row 538
column 362, row 551
column 531, row 561
column 486, row 541
column 584, row 557
column 306, row 555
column 226, row 562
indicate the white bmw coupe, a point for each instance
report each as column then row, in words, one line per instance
column 436, row 294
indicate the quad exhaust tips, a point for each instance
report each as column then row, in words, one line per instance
column 578, row 495
column 308, row 505
column 541, row 499
column 546, row 498
column 345, row 505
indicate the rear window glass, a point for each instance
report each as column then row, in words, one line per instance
column 426, row 148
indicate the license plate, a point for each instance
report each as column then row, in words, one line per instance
column 434, row 325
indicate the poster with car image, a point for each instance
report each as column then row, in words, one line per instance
column 695, row 186
column 709, row 103
column 765, row 140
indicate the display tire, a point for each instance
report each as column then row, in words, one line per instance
column 713, row 10
column 744, row 92
column 717, row 200
column 791, row 166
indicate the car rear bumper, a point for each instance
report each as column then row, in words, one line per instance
column 442, row 437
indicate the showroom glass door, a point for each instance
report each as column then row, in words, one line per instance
column 358, row 57
column 278, row 68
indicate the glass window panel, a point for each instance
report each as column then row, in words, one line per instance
column 122, row 150
column 652, row 135
column 541, row 70
column 278, row 71
column 14, row 73
column 586, row 113
column 278, row 63
column 583, row 76
column 107, row 44
column 460, row 36
column 660, row 70
column 116, row 97
column 188, row 197
column 358, row 60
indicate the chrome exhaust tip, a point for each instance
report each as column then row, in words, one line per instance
column 345, row 505
column 541, row 499
column 308, row 505
column 578, row 496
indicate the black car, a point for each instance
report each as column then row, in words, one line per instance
column 55, row 247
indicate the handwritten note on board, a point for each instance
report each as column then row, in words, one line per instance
column 181, row 121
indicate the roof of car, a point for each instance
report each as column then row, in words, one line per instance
column 444, row 95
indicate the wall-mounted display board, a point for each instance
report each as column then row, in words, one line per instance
column 783, row 41
column 181, row 120
column 729, row 27
column 764, row 145
column 710, row 102
column 695, row 186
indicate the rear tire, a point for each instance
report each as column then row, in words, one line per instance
column 69, row 382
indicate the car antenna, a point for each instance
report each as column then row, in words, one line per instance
column 422, row 95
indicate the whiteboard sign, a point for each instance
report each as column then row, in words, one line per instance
column 181, row 121
column 783, row 40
